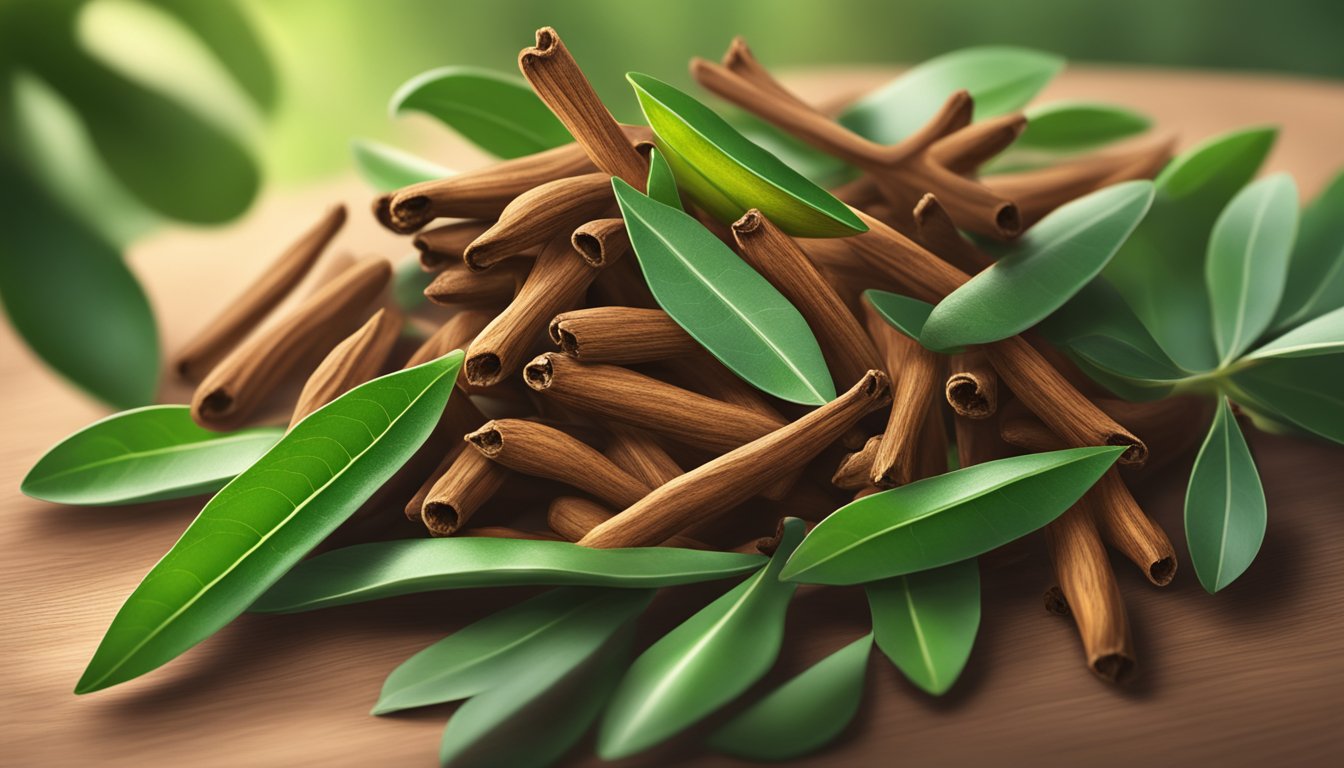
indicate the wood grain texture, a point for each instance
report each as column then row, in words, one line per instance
column 1253, row 676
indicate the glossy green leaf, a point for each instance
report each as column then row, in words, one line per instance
column 1304, row 392
column 498, row 113
column 561, row 627
column 71, row 297
column 1044, row 269
column 389, row 568
column 802, row 715
column 146, row 454
column 723, row 303
column 267, row 518
column 1073, row 126
column 727, row 175
column 225, row 30
column 1000, row 79
column 704, row 663
column 662, row 185
column 1248, row 262
column 946, row 519
column 388, row 168
column 533, row 719
column 824, row 170
column 1224, row 505
column 1131, row 371
column 926, row 622
column 1160, row 269
column 1316, row 272
column 1321, row 336
column 904, row 313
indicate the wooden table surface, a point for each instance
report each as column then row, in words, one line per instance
column 1252, row 676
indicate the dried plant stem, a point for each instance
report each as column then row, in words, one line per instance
column 443, row 245
column 235, row 388
column 1038, row 192
column 849, row 353
column 1093, row 597
column 572, row 518
column 632, row 398
column 972, row 387
column 537, row 450
column 915, row 372
column 533, row 218
column 706, row 375
column 1175, row 424
column 417, row 502
column 456, row 333
column 967, row 149
column 854, row 469
column 1125, row 526
column 736, row 476
column 243, row 314
column 935, row 231
column 352, row 362
column 640, row 454
column 621, row 335
column 601, row 241
column 978, row 441
column 458, row 284
column 557, row 79
column 467, row 484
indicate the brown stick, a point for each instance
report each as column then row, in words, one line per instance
column 443, row 245
column 601, row 241
column 1125, row 527
column 632, row 398
column 469, row 482
column 978, row 441
column 854, row 469
column 417, row 502
column 572, row 518
column 535, row 216
column 719, row 485
column 456, row 333
column 235, row 388
column 1093, row 597
column 350, row 363
column 849, row 353
column 967, row 149
column 972, row 387
column 936, row 232
column 621, row 335
column 505, row 532
column 1038, row 192
column 241, row 315
column 639, row 453
column 459, row 284
column 915, row 370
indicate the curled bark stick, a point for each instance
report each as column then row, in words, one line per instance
column 352, row 362
column 534, row 217
column 601, row 241
column 572, row 518
column 621, row 335
column 1089, row 587
column 467, row 484
column 456, row 333
column 972, row 387
column 458, row 284
column 443, row 245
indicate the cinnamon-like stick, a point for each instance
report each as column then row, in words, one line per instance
column 1125, row 527
column 242, row 315
column 936, row 232
column 540, row 451
column 972, row 387
column 572, row 518
column 848, row 351
column 854, row 469
column 456, row 333
column 467, row 484
column 234, row 389
column 459, row 284
column 915, row 370
column 623, row 395
column 972, row 146
column 639, row 453
column 719, row 485
column 350, row 363
column 1040, row 191
column 535, row 216
column 1093, row 597
column 417, row 502
column 621, row 335
column 443, row 245
column 505, row 532
column 601, row 241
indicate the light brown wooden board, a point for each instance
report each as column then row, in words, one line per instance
column 1253, row 676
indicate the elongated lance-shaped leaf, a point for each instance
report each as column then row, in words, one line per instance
column 535, row 717
column 802, row 715
column 1315, row 282
column 145, row 454
column 1000, row 79
column 727, row 175
column 387, row 168
column 1304, row 392
column 1073, row 126
column 268, row 517
column 1042, row 271
column 1323, row 335
column 388, row 568
column 904, row 313
column 945, row 519
column 926, row 622
column 662, row 185
column 1224, row 505
column 496, row 112
column 723, row 303
column 561, row 627
column 704, row 663
column 224, row 28
column 1248, row 262
column 1160, row 269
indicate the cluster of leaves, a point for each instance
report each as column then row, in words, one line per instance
column 90, row 157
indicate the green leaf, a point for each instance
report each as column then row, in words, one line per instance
column 1322, row 336
column 498, row 113
column 1074, row 126
column 533, row 719
column 1224, row 505
column 1316, row 272
column 1248, row 262
column 704, row 663
column 1130, row 370
column 1301, row 391
column 146, row 454
column 71, row 297
column 388, row 168
column 225, row 30
column 1160, row 269
column 723, row 303
column 727, row 175
column 904, row 313
column 1000, row 79
column 263, row 522
column 802, row 715
column 926, row 622
column 389, row 568
column 946, row 519
column 561, row 627
column 1044, row 269
column 662, row 185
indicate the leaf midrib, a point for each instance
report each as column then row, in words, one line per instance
column 915, row 624
column 208, row 442
column 1245, row 293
